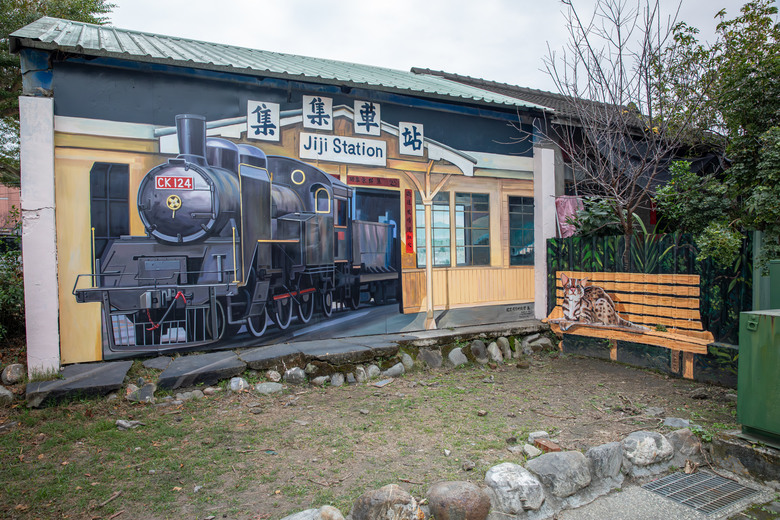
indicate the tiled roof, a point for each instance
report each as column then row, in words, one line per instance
column 97, row 40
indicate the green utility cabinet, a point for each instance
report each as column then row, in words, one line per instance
column 758, row 378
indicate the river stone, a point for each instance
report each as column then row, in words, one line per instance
column 130, row 389
column 564, row 472
column 676, row 422
column 513, row 489
column 390, row 502
column 273, row 376
column 495, row 353
column 541, row 344
column 330, row 513
column 528, row 339
column 458, row 501
column 309, row 514
column 238, row 384
column 643, row 448
column 360, row 375
column 517, row 347
column 396, row 370
column 431, row 357
column 295, row 376
column 537, row 435
column 503, row 344
column 685, row 443
column 531, row 451
column 320, row 381
column 373, row 371
column 268, row 388
column 323, row 513
column 12, row 374
column 479, row 351
column 6, row 396
column 337, row 379
column 145, row 394
column 456, row 357
column 407, row 361
column 605, row 460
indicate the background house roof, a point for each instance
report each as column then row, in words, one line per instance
column 105, row 41
column 558, row 103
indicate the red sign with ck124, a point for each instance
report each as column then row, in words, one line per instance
column 167, row 182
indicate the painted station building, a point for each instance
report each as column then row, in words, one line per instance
column 179, row 194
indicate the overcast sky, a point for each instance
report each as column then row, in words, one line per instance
column 499, row 40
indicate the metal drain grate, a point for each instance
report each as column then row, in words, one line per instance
column 701, row 491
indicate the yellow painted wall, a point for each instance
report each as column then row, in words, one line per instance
column 468, row 287
column 80, row 327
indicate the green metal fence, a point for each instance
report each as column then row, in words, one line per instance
column 724, row 292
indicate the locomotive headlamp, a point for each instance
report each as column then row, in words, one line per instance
column 174, row 203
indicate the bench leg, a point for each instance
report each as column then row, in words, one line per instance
column 688, row 365
column 674, row 364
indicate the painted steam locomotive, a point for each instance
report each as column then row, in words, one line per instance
column 234, row 237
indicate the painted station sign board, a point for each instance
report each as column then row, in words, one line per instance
column 352, row 150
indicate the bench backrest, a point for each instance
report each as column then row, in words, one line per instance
column 671, row 300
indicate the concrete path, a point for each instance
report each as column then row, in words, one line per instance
column 637, row 503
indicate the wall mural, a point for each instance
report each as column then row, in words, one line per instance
column 243, row 247
column 589, row 304
column 660, row 310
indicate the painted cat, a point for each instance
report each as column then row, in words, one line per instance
column 585, row 303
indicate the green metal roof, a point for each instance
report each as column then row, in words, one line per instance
column 98, row 40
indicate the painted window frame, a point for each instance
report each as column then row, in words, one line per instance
column 522, row 207
column 440, row 213
column 468, row 251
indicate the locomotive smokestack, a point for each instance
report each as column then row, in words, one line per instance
column 191, row 130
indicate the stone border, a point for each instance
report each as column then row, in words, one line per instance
column 545, row 486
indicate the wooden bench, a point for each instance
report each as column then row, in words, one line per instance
column 652, row 300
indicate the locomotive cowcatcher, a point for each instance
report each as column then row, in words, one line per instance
column 233, row 237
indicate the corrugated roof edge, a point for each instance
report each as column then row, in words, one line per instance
column 490, row 83
column 41, row 35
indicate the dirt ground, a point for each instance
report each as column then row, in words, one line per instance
column 246, row 456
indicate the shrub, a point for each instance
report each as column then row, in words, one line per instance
column 11, row 282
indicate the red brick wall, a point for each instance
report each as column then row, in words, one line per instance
column 9, row 197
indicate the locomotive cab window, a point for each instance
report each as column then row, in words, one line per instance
column 321, row 199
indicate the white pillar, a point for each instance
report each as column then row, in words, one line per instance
column 39, row 245
column 544, row 222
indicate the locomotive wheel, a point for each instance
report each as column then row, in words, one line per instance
column 281, row 312
column 305, row 307
column 326, row 301
column 219, row 310
column 257, row 324
column 354, row 300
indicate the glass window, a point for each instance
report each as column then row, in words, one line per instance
column 109, row 203
column 440, row 224
column 521, row 231
column 472, row 228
